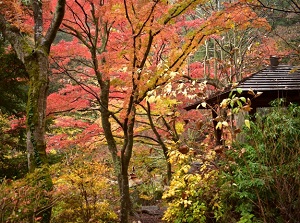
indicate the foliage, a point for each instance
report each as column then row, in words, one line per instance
column 83, row 191
column 23, row 200
column 261, row 176
column 13, row 83
column 12, row 157
column 252, row 181
column 193, row 195
column 13, row 91
column 148, row 177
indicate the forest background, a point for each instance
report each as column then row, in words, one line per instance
column 92, row 103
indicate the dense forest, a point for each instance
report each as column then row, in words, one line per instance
column 93, row 118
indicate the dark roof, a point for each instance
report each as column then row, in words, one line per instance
column 281, row 81
column 281, row 77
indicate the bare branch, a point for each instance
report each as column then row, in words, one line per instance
column 56, row 21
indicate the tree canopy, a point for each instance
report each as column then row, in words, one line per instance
column 103, row 84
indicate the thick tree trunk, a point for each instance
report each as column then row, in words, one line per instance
column 34, row 53
column 37, row 66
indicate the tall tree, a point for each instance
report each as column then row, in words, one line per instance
column 129, row 49
column 32, row 48
column 129, row 52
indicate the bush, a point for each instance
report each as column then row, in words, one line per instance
column 193, row 195
column 22, row 200
column 13, row 159
column 82, row 192
column 261, row 178
column 257, row 180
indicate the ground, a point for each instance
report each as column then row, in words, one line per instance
column 148, row 214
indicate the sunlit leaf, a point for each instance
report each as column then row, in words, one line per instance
column 258, row 94
column 247, row 123
column 218, row 119
column 225, row 123
column 219, row 125
column 247, row 108
column 243, row 99
column 224, row 103
column 235, row 85
column 239, row 90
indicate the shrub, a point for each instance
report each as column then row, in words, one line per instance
column 261, row 178
column 193, row 195
column 83, row 192
column 257, row 180
column 22, row 200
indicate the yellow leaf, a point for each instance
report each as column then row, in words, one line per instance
column 224, row 103
column 251, row 92
column 258, row 94
column 225, row 123
column 218, row 119
column 203, row 104
column 235, row 85
column 219, row 125
column 247, row 123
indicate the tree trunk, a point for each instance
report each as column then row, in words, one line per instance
column 125, row 195
column 121, row 162
column 34, row 52
column 37, row 66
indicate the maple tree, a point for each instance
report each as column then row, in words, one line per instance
column 135, row 66
column 32, row 48
column 125, row 49
column 120, row 72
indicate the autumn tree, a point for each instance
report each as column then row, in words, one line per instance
column 32, row 48
column 283, row 17
column 129, row 37
column 129, row 53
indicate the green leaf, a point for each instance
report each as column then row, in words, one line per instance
column 239, row 104
column 239, row 90
column 243, row 99
column 232, row 103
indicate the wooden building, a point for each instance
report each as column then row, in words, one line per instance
column 275, row 81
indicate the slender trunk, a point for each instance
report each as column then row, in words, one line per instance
column 121, row 163
column 161, row 142
column 125, row 195
column 215, row 60
column 206, row 60
column 126, row 153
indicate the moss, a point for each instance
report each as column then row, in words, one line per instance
column 37, row 90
